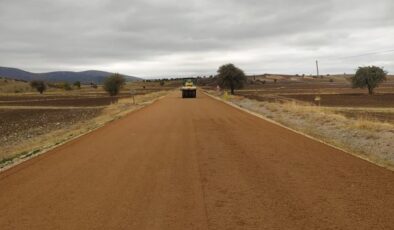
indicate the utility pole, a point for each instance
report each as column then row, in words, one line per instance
column 317, row 68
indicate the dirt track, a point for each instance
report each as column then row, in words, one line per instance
column 195, row 164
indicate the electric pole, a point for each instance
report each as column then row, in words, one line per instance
column 317, row 68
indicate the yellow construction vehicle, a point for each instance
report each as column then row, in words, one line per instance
column 189, row 90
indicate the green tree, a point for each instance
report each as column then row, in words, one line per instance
column 114, row 83
column 77, row 84
column 229, row 76
column 368, row 77
column 39, row 85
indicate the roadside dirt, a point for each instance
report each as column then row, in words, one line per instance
column 348, row 100
column 371, row 115
column 195, row 164
column 359, row 106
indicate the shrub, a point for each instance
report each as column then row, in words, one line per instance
column 77, row 84
column 40, row 86
column 93, row 85
column 113, row 84
column 66, row 86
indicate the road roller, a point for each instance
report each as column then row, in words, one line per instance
column 189, row 90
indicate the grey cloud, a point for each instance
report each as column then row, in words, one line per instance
column 44, row 35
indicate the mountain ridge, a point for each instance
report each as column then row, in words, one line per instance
column 87, row 76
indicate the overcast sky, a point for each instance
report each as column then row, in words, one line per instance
column 153, row 38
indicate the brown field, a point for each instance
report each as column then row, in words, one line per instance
column 379, row 107
column 336, row 94
column 26, row 116
column 305, row 85
column 58, row 101
column 20, row 124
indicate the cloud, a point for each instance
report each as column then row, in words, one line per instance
column 162, row 38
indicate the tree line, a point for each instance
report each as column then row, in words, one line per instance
column 231, row 77
column 228, row 77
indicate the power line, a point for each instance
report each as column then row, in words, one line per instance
column 360, row 55
column 367, row 54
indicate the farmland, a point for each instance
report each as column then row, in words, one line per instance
column 30, row 120
column 334, row 93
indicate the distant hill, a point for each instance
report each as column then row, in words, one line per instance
column 60, row 76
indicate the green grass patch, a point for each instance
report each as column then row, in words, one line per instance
column 32, row 153
column 6, row 160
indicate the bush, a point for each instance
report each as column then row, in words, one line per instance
column 113, row 84
column 40, row 86
column 66, row 86
column 77, row 84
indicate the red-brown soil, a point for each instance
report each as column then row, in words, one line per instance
column 57, row 101
column 195, row 164
column 22, row 124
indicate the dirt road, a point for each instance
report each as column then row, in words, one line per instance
column 195, row 164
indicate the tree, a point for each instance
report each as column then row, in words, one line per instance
column 368, row 76
column 114, row 83
column 231, row 77
column 162, row 83
column 77, row 84
column 40, row 86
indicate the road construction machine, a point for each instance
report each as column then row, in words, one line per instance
column 189, row 90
